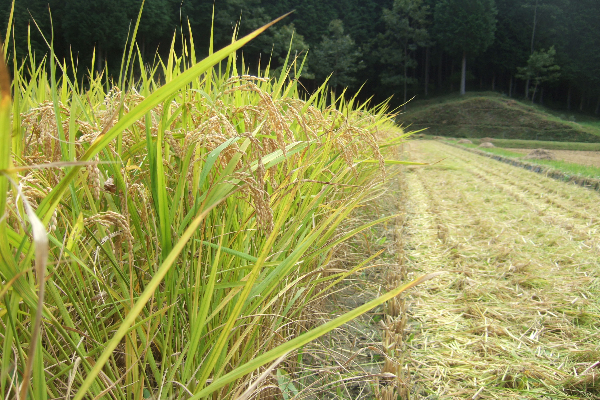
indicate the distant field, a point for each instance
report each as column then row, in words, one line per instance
column 582, row 163
column 591, row 158
column 541, row 144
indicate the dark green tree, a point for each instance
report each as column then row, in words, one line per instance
column 311, row 18
column 101, row 25
column 579, row 58
column 199, row 16
column 540, row 68
column 26, row 14
column 465, row 27
column 547, row 25
column 405, row 31
column 510, row 49
column 243, row 17
column 157, row 24
column 287, row 40
column 336, row 55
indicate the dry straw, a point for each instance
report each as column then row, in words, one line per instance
column 517, row 316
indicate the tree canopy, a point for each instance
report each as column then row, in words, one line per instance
column 397, row 47
column 540, row 68
column 466, row 28
column 405, row 32
column 336, row 55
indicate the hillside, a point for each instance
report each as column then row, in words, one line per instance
column 492, row 115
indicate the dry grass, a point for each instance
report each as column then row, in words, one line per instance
column 540, row 154
column 517, row 317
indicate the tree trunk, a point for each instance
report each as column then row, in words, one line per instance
column 532, row 45
column 569, row 97
column 597, row 111
column 440, row 71
column 542, row 96
column 494, row 82
column 533, row 96
column 463, row 75
column 451, row 74
column 534, row 25
column 405, row 77
column 510, row 85
column 426, row 70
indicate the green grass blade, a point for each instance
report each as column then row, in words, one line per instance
column 160, row 95
column 142, row 300
column 306, row 338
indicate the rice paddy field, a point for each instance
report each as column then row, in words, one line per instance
column 187, row 230
column 517, row 315
column 176, row 232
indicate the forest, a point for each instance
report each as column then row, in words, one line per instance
column 542, row 50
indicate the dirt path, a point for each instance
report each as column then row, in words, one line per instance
column 518, row 314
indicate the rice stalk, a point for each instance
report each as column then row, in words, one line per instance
column 188, row 230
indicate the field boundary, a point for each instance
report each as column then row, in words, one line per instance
column 589, row 183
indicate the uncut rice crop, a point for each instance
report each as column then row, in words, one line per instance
column 160, row 240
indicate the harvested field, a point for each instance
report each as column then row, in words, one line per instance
column 591, row 158
column 517, row 315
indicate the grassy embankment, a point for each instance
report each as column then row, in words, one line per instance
column 183, row 228
column 478, row 115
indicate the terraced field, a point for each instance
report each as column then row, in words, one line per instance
column 591, row 158
column 517, row 315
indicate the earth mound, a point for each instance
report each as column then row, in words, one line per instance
column 540, row 154
column 493, row 116
column 487, row 145
column 463, row 141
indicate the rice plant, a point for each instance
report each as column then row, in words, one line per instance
column 189, row 215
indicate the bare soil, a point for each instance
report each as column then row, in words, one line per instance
column 591, row 158
column 517, row 314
